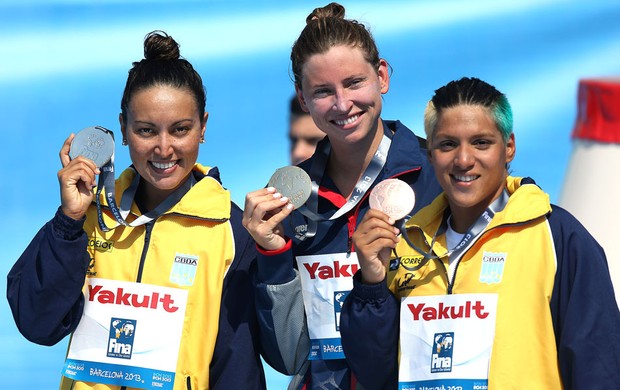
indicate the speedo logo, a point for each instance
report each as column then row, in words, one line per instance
column 424, row 312
column 120, row 297
column 411, row 262
column 328, row 272
column 101, row 245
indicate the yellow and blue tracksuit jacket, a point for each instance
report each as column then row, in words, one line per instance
column 45, row 285
column 557, row 325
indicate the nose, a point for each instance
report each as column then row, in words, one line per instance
column 464, row 158
column 342, row 102
column 164, row 144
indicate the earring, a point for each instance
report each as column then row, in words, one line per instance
column 124, row 141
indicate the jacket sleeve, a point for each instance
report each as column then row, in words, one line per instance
column 44, row 287
column 583, row 307
column 369, row 327
column 236, row 362
column 280, row 311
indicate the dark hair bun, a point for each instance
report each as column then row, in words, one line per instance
column 331, row 10
column 160, row 46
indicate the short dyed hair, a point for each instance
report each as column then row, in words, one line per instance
column 469, row 91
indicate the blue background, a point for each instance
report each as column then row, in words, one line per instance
column 63, row 65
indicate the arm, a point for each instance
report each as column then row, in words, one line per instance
column 280, row 310
column 278, row 298
column 583, row 307
column 369, row 322
column 44, row 287
column 236, row 360
column 369, row 327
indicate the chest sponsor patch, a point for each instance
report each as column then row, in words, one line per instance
column 492, row 268
column 100, row 245
column 410, row 262
column 183, row 270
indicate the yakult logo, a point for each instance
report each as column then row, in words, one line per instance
column 120, row 297
column 327, row 272
column 446, row 312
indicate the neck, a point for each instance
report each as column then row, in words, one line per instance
column 462, row 218
column 148, row 197
column 347, row 162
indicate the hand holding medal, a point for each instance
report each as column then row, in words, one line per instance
column 288, row 189
column 393, row 197
column 82, row 156
column 293, row 183
column 95, row 143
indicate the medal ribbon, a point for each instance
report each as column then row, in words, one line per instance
column 317, row 170
column 106, row 180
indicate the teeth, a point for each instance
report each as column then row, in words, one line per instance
column 465, row 178
column 347, row 121
column 167, row 165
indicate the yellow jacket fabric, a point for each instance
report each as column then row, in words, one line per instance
column 555, row 300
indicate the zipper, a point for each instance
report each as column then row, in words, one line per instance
column 145, row 249
column 456, row 267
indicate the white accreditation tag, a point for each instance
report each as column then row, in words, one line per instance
column 326, row 280
column 446, row 341
column 129, row 335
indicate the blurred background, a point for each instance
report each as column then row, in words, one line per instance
column 63, row 66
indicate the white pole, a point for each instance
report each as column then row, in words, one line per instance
column 591, row 188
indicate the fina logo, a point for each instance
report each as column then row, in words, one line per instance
column 120, row 342
column 441, row 355
column 183, row 270
column 339, row 297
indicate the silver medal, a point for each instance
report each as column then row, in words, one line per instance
column 95, row 143
column 292, row 182
column 394, row 197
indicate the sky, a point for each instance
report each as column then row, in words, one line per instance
column 64, row 65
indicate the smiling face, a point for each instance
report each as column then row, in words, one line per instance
column 342, row 91
column 163, row 132
column 469, row 157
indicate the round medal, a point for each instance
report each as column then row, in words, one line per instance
column 394, row 197
column 292, row 182
column 95, row 143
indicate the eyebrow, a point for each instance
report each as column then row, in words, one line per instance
column 173, row 124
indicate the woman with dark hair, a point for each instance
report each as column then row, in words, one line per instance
column 154, row 292
column 306, row 257
column 490, row 286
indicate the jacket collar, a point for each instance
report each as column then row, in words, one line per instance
column 527, row 202
column 207, row 199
